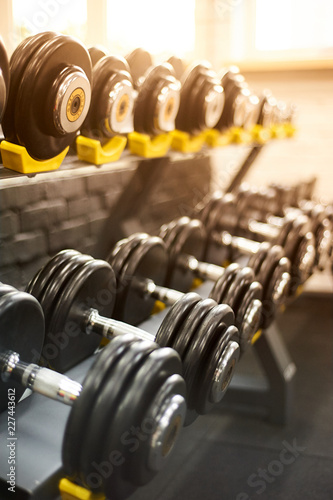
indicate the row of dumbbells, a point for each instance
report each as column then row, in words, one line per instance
column 53, row 87
column 154, row 384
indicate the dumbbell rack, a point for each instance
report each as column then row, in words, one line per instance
column 36, row 417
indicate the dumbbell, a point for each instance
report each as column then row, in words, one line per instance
column 49, row 94
column 142, row 264
column 273, row 111
column 112, row 97
column 292, row 195
column 75, row 290
column 132, row 384
column 241, row 107
column 158, row 96
column 201, row 97
column 221, row 215
column 4, row 78
column 264, row 205
column 186, row 240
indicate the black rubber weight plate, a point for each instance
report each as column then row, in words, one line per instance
column 37, row 285
column 18, row 63
column 63, row 274
column 206, row 336
column 223, row 284
column 146, row 383
column 91, row 286
column 148, row 261
column 108, row 405
column 4, row 74
column 77, row 421
column 176, row 315
column 58, row 52
column 21, row 330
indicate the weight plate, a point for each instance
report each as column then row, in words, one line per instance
column 139, row 61
column 21, row 331
column 176, row 315
column 77, row 421
column 109, row 403
column 187, row 331
column 96, row 53
column 53, row 97
column 206, row 336
column 62, row 275
column 157, row 102
column 118, row 260
column 146, row 383
column 250, row 314
column 234, row 293
column 161, row 445
column 178, row 66
column 148, row 261
column 275, row 257
column 222, row 285
column 186, row 238
column 91, row 286
column 256, row 259
column 18, row 62
column 188, row 81
column 288, row 231
column 112, row 99
column 277, row 291
column 122, row 250
column 303, row 260
column 37, row 285
column 4, row 78
column 208, row 379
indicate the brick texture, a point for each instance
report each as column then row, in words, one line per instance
column 40, row 217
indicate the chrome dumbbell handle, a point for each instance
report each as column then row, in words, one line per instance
column 244, row 245
column 267, row 230
column 109, row 328
column 39, row 379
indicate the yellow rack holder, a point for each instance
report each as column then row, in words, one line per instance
column 149, row 147
column 92, row 151
column 17, row 158
column 260, row 134
column 217, row 139
column 72, row 491
column 186, row 143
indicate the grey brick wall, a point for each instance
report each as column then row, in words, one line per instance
column 72, row 208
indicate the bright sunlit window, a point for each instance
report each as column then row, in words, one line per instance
column 294, row 24
column 162, row 28
column 34, row 16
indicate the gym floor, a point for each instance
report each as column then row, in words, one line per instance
column 236, row 456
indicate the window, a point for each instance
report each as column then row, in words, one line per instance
column 66, row 16
column 294, row 24
column 162, row 28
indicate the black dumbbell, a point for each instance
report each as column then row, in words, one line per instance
column 4, row 78
column 142, row 264
column 291, row 195
column 75, row 290
column 241, row 107
column 158, row 95
column 49, row 94
column 265, row 205
column 273, row 111
column 222, row 216
column 132, row 384
column 201, row 97
column 112, row 97
column 254, row 306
